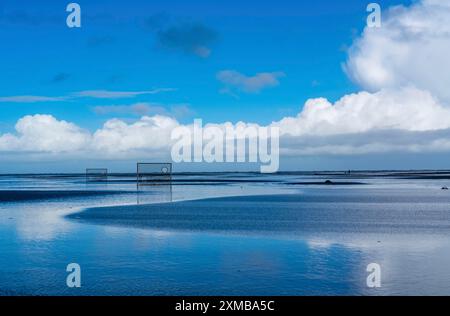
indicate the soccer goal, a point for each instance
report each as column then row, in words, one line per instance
column 96, row 174
column 154, row 173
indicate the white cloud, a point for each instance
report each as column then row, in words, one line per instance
column 43, row 133
column 407, row 109
column 105, row 94
column 96, row 94
column 145, row 109
column 402, row 65
column 410, row 48
column 141, row 108
column 149, row 133
column 30, row 99
column 250, row 84
column 404, row 120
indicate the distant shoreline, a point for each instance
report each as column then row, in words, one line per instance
column 406, row 172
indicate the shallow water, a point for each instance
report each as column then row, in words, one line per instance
column 310, row 239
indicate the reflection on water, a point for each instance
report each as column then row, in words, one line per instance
column 37, row 242
column 160, row 193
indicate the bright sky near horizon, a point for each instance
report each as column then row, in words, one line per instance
column 343, row 95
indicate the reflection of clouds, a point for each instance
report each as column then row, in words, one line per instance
column 207, row 191
column 149, row 194
column 411, row 264
column 367, row 242
column 114, row 231
column 151, row 239
column 118, row 231
column 145, row 239
column 45, row 220
column 155, row 234
column 319, row 244
column 42, row 224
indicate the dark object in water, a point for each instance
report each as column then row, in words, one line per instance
column 444, row 188
column 328, row 182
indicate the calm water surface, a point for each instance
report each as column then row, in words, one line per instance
column 320, row 242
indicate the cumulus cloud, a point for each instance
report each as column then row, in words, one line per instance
column 370, row 142
column 404, row 106
column 149, row 133
column 405, row 120
column 234, row 80
column 408, row 49
column 44, row 133
column 407, row 109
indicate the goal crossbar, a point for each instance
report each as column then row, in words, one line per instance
column 153, row 173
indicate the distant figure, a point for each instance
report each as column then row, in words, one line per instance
column 444, row 188
column 328, row 182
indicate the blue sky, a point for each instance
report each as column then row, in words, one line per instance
column 116, row 49
column 252, row 61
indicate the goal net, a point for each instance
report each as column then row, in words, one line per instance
column 96, row 174
column 154, row 173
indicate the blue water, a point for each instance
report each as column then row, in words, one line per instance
column 230, row 234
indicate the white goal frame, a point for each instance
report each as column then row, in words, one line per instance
column 153, row 173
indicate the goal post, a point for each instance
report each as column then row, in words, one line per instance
column 154, row 173
column 95, row 174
